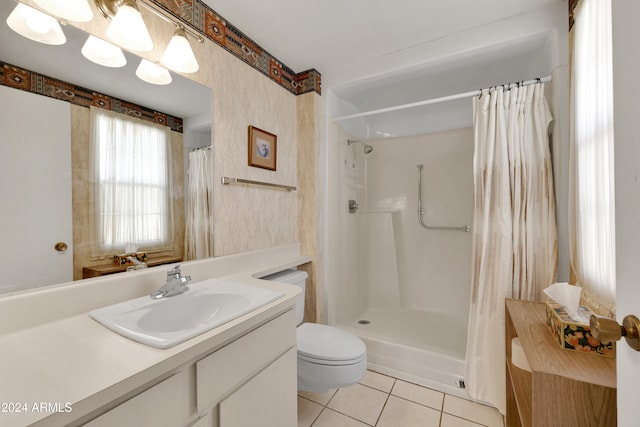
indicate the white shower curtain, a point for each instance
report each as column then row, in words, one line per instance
column 199, row 222
column 514, row 225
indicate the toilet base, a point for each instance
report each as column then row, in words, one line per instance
column 322, row 378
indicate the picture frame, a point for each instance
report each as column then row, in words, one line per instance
column 262, row 148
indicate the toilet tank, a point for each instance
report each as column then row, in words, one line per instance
column 293, row 277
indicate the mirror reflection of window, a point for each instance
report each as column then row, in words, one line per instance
column 131, row 170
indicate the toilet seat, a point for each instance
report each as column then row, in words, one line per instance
column 326, row 345
column 331, row 362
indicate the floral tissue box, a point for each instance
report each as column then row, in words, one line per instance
column 576, row 336
column 123, row 259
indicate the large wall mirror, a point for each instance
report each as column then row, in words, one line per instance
column 39, row 178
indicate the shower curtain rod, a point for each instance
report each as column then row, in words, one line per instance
column 435, row 100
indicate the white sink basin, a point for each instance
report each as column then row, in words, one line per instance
column 169, row 321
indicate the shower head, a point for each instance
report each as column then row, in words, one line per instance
column 367, row 147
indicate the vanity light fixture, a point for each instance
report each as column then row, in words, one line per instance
column 35, row 25
column 72, row 10
column 103, row 53
column 178, row 56
column 153, row 73
column 127, row 27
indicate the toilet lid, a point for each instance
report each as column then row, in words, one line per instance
column 327, row 343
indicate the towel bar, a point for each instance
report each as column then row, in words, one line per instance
column 226, row 181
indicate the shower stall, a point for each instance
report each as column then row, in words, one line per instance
column 403, row 288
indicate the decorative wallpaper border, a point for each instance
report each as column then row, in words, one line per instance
column 214, row 27
column 29, row 81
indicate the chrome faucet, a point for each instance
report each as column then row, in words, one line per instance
column 176, row 284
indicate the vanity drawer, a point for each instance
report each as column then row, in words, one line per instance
column 221, row 372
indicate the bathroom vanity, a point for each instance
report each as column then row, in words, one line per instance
column 60, row 367
column 227, row 383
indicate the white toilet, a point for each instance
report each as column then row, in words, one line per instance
column 328, row 357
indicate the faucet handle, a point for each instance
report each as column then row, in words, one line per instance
column 175, row 271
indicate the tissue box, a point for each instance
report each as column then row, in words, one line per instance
column 121, row 259
column 576, row 336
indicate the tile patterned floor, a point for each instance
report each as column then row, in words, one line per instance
column 382, row 401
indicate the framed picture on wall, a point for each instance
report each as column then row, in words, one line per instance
column 262, row 148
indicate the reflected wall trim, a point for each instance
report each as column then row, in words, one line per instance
column 29, row 81
column 211, row 25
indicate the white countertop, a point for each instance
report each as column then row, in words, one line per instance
column 72, row 362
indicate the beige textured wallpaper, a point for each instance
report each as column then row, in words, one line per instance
column 308, row 201
column 248, row 217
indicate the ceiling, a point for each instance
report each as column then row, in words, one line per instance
column 371, row 53
column 335, row 37
column 329, row 35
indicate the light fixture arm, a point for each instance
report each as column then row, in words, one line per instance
column 159, row 12
column 110, row 7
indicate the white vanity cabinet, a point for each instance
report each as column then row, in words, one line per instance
column 250, row 381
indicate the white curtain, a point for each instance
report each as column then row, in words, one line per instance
column 199, row 221
column 131, row 168
column 591, row 207
column 514, row 225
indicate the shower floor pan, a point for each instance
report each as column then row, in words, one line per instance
column 427, row 348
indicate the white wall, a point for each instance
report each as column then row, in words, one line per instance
column 626, row 92
column 434, row 265
column 506, row 32
column 344, row 290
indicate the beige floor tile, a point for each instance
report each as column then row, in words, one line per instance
column 308, row 411
column 451, row 421
column 400, row 412
column 329, row 418
column 472, row 411
column 321, row 398
column 359, row 402
column 418, row 394
column 378, row 381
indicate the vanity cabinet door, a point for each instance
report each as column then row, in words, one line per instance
column 164, row 404
column 220, row 373
column 267, row 400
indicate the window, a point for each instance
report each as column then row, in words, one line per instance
column 131, row 198
column 592, row 210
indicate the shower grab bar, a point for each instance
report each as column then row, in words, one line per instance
column 466, row 228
